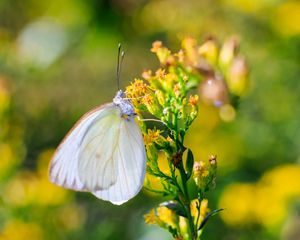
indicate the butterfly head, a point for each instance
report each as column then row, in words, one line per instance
column 124, row 104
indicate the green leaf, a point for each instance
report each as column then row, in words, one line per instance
column 182, row 134
column 207, row 217
column 174, row 206
column 189, row 164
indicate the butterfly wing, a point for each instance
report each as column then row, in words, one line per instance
column 104, row 154
column 63, row 168
column 97, row 165
column 130, row 161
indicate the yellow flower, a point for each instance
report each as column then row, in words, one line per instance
column 151, row 217
column 153, row 136
column 238, row 80
column 200, row 174
column 199, row 213
column 176, row 89
column 148, row 100
column 168, row 81
column 136, row 89
column 160, row 73
column 156, row 46
column 147, row 74
column 204, row 208
column 200, row 169
column 209, row 50
column 180, row 56
column 167, row 216
column 189, row 45
column 193, row 100
column 228, row 52
column 160, row 97
column 162, row 52
column 194, row 208
column 212, row 160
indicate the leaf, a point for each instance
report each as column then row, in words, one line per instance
column 182, row 134
column 189, row 164
column 212, row 213
column 176, row 207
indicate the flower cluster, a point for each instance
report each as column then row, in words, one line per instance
column 170, row 95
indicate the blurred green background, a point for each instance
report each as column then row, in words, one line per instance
column 58, row 60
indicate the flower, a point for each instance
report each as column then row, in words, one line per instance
column 156, row 46
column 193, row 100
column 238, row 76
column 151, row 217
column 162, row 216
column 151, row 102
column 199, row 210
column 167, row 216
column 209, row 51
column 162, row 52
column 136, row 89
column 147, row 74
column 176, row 89
column 152, row 136
column 200, row 169
column 214, row 91
column 228, row 51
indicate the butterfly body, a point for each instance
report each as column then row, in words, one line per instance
column 103, row 153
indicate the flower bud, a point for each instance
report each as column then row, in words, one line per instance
column 193, row 106
column 176, row 90
column 136, row 88
column 189, row 45
column 204, row 208
column 212, row 164
column 167, row 216
column 194, row 206
column 160, row 97
column 209, row 51
column 228, row 52
column 162, row 52
column 152, row 105
column 213, row 91
column 199, row 173
column 147, row 74
column 238, row 76
column 150, row 217
column 213, row 160
column 193, row 100
column 184, row 227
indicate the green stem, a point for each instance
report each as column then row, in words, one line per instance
column 186, row 203
column 193, row 231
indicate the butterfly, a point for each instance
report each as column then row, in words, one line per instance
column 103, row 153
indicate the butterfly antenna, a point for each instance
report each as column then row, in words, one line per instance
column 121, row 55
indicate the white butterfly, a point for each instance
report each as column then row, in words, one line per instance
column 103, row 153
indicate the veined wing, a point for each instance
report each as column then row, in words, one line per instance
column 97, row 166
column 63, row 168
column 130, row 161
